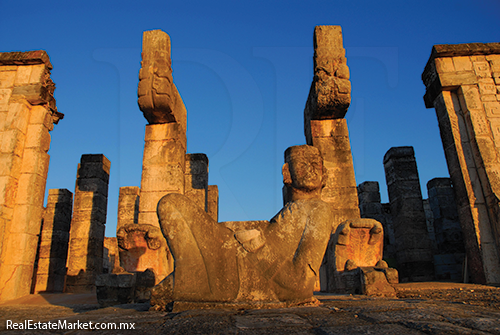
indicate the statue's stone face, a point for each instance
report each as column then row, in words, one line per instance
column 306, row 170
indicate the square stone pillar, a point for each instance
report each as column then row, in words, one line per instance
column 196, row 179
column 163, row 167
column 413, row 245
column 463, row 84
column 213, row 202
column 27, row 114
column 53, row 245
column 128, row 206
column 85, row 257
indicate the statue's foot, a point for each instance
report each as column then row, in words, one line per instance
column 162, row 295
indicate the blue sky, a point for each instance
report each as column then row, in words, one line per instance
column 243, row 69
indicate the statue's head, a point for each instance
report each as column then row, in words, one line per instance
column 303, row 169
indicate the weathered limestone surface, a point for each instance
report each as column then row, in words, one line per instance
column 111, row 258
column 143, row 247
column 450, row 256
column 159, row 99
column 255, row 262
column 85, row 257
column 27, row 114
column 124, row 288
column 358, row 265
column 213, row 202
column 330, row 94
column 326, row 129
column 163, row 168
column 196, row 179
column 414, row 252
column 128, row 206
column 370, row 206
column 463, row 84
column 53, row 244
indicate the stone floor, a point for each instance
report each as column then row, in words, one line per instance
column 421, row 308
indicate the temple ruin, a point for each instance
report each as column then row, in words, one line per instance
column 331, row 234
column 462, row 84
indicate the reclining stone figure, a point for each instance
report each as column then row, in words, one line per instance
column 252, row 262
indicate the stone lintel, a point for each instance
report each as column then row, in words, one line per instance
column 435, row 83
column 25, row 58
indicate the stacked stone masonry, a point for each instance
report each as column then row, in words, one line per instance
column 53, row 244
column 326, row 129
column 27, row 114
column 85, row 257
column 370, row 206
column 413, row 245
column 463, row 85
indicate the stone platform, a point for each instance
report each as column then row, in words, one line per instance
column 421, row 308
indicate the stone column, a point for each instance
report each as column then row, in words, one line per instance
column 414, row 252
column 462, row 84
column 370, row 207
column 128, row 206
column 163, row 163
column 326, row 129
column 85, row 255
column 196, row 179
column 27, row 114
column 163, row 167
column 53, row 245
column 449, row 258
column 213, row 202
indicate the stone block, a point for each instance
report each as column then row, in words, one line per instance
column 150, row 218
column 444, row 65
column 195, row 182
column 89, row 201
column 5, row 94
column 481, row 68
column 368, row 197
column 161, row 132
column 30, row 190
column 94, row 185
column 16, row 280
column 163, row 178
column 149, row 200
column 369, row 186
column 35, row 162
column 91, row 170
column 21, row 249
column 37, row 73
column 462, row 63
column 38, row 136
column 213, row 202
column 85, row 229
column 345, row 197
column 17, row 117
column 60, row 195
column 8, row 188
column 196, row 164
column 9, row 163
column 95, row 214
column 490, row 261
column 12, row 141
column 23, row 74
column 41, row 115
column 164, row 152
column 7, row 78
column 27, row 219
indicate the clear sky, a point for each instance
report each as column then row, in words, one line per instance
column 243, row 69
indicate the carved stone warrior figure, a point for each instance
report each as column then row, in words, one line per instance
column 252, row 261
